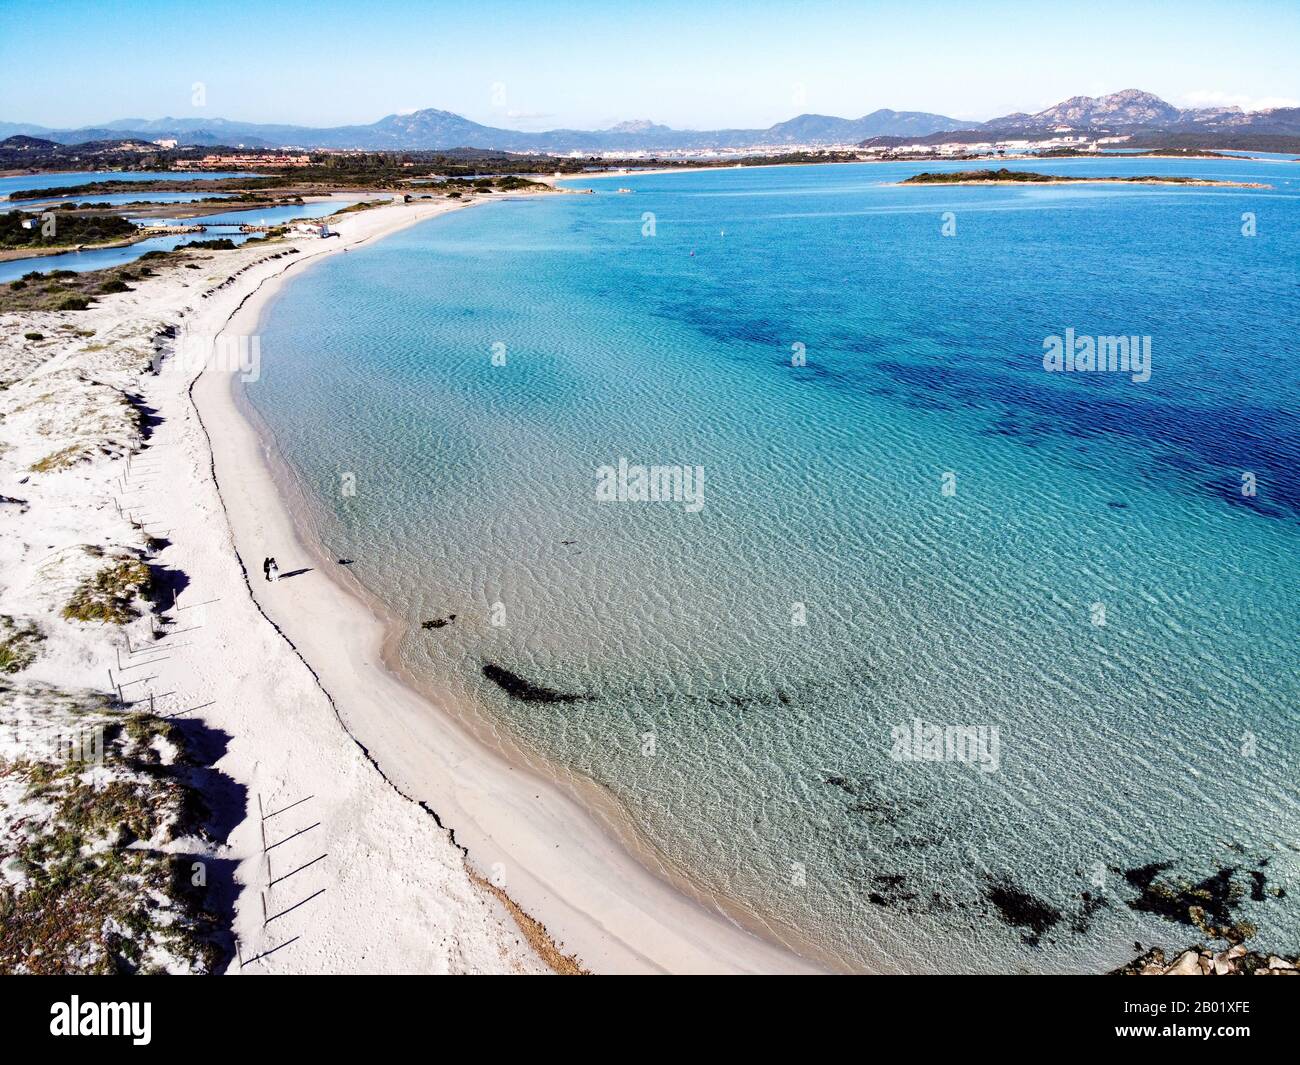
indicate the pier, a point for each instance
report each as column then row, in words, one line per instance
column 168, row 231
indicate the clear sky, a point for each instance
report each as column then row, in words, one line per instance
column 702, row 64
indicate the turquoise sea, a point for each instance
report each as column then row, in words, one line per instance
column 1071, row 564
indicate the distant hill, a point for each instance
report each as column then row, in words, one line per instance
column 119, row 131
column 814, row 129
column 22, row 143
column 1130, row 111
column 432, row 129
column 1132, row 107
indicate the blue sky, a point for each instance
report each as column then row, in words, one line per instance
column 701, row 64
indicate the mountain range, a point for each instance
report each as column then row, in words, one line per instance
column 1134, row 113
column 430, row 129
column 1130, row 111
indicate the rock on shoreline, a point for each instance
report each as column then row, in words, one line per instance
column 1198, row 961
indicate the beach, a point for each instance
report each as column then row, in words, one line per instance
column 376, row 836
column 388, row 810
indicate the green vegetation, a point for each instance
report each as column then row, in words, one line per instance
column 512, row 184
column 33, row 336
column 216, row 244
column 51, row 291
column 109, row 596
column 364, row 205
column 1173, row 153
column 966, row 177
column 96, row 893
column 1180, row 153
column 161, row 185
column 508, row 183
column 63, row 459
column 395, row 170
column 67, row 230
column 271, row 236
column 18, row 642
column 67, row 290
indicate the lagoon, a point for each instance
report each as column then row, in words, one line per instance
column 44, row 180
column 225, row 224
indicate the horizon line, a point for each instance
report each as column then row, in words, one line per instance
column 1271, row 105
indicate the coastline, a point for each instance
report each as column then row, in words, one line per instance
column 505, row 841
column 10, row 255
column 519, row 829
column 321, row 864
column 553, row 181
column 195, row 211
column 1189, row 183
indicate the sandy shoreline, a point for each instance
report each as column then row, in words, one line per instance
column 323, row 866
column 395, row 843
column 520, row 830
column 362, row 827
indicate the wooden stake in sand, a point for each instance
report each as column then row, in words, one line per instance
column 112, row 684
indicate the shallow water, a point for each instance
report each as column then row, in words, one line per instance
column 271, row 216
column 117, row 199
column 85, row 177
column 219, row 225
column 971, row 540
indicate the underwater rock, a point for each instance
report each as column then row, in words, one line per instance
column 1022, row 910
column 525, row 691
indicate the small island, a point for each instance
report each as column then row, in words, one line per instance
column 1004, row 176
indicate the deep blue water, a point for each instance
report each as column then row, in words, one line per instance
column 1093, row 584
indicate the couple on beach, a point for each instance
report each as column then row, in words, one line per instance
column 270, row 569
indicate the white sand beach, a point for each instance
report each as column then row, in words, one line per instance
column 374, row 823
